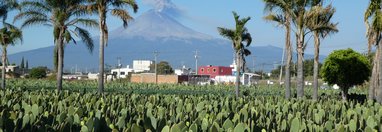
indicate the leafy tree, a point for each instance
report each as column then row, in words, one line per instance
column 280, row 13
column 116, row 8
column 38, row 72
column 345, row 68
column 241, row 39
column 9, row 36
column 319, row 23
column 65, row 16
column 163, row 68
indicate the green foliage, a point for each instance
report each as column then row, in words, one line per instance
column 308, row 69
column 38, row 72
column 34, row 105
column 163, row 68
column 346, row 68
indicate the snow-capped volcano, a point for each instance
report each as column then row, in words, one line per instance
column 154, row 25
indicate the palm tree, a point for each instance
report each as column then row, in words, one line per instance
column 373, row 16
column 102, row 7
column 240, row 38
column 65, row 16
column 283, row 9
column 9, row 36
column 319, row 23
column 300, row 19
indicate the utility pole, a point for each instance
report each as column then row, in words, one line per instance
column 119, row 68
column 254, row 70
column 196, row 62
column 262, row 70
column 281, row 66
column 156, row 73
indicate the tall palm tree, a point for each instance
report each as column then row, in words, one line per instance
column 65, row 16
column 300, row 19
column 102, row 7
column 9, row 36
column 241, row 39
column 373, row 16
column 321, row 26
column 281, row 11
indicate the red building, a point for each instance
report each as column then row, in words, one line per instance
column 214, row 71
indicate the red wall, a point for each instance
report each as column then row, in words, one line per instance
column 214, row 71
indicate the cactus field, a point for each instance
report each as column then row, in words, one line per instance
column 34, row 105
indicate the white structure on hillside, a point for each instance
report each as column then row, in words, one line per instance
column 142, row 65
column 183, row 71
column 122, row 72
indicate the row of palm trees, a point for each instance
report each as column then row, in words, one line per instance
column 67, row 18
column 303, row 17
column 312, row 17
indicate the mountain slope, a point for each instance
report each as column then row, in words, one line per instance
column 153, row 31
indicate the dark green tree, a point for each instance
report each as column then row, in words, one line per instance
column 163, row 68
column 22, row 64
column 346, row 68
column 26, row 65
column 38, row 72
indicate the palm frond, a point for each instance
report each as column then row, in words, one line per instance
column 85, row 22
column 227, row 33
column 123, row 15
column 125, row 3
column 86, row 38
column 246, row 37
column 34, row 21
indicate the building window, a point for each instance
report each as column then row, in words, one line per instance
column 214, row 70
column 208, row 70
column 202, row 70
column 114, row 73
column 221, row 70
column 123, row 73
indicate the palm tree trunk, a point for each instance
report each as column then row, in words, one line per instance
column 379, row 97
column 315, row 66
column 4, row 59
column 60, row 54
column 102, row 42
column 288, row 49
column 374, row 75
column 238, row 65
column 300, row 66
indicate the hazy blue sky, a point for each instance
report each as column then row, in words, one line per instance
column 205, row 15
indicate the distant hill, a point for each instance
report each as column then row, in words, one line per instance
column 154, row 31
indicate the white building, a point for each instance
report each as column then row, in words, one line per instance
column 14, row 69
column 245, row 79
column 183, row 71
column 142, row 65
column 122, row 72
